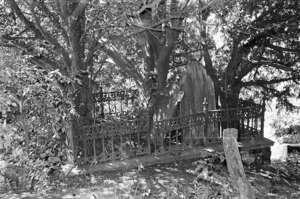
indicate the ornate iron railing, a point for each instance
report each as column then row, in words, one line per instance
column 114, row 96
column 110, row 141
column 248, row 120
column 177, row 133
column 113, row 104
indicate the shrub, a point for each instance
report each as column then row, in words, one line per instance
column 287, row 126
column 35, row 122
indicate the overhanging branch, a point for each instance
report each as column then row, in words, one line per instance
column 15, row 8
column 54, row 19
column 79, row 9
column 267, row 82
column 122, row 62
column 278, row 48
column 46, row 35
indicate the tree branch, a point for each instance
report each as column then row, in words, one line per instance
column 279, row 64
column 54, row 19
column 148, row 28
column 123, row 63
column 43, row 61
column 266, row 82
column 15, row 8
column 278, row 48
column 79, row 9
column 64, row 11
column 93, row 47
column 147, row 6
column 60, row 50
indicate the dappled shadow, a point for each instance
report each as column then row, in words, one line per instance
column 174, row 180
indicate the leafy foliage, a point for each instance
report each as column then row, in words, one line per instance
column 250, row 44
column 259, row 48
column 287, row 126
column 35, row 119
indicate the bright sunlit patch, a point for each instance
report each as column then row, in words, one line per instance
column 108, row 191
column 209, row 150
column 157, row 170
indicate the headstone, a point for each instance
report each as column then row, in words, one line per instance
column 197, row 86
column 235, row 166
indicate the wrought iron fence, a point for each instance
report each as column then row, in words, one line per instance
column 112, row 141
column 109, row 141
column 113, row 104
column 248, row 120
column 178, row 133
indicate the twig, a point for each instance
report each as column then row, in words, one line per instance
column 136, row 188
column 169, row 189
column 265, row 175
column 286, row 182
column 70, row 170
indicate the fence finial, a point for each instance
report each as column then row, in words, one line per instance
column 205, row 105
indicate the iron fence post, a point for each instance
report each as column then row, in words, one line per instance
column 101, row 103
column 148, row 123
column 205, row 111
column 262, row 123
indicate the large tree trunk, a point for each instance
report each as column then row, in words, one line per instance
column 83, row 101
column 81, row 86
column 229, row 97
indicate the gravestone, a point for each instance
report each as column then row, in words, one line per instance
column 197, row 86
column 235, row 165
